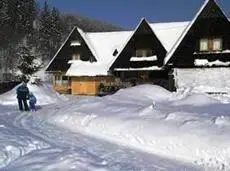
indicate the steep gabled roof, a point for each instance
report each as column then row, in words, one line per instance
column 104, row 44
column 168, row 33
column 126, row 42
column 188, row 28
column 47, row 67
column 88, row 43
column 142, row 22
column 68, row 39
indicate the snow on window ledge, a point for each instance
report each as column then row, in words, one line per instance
column 79, row 61
column 139, row 69
column 75, row 43
column 205, row 62
column 149, row 58
column 212, row 52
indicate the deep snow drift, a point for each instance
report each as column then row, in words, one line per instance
column 184, row 126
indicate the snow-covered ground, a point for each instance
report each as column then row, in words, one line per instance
column 140, row 128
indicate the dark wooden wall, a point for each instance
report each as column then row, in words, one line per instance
column 210, row 24
column 142, row 38
column 60, row 63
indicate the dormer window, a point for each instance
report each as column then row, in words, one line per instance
column 144, row 52
column 203, row 44
column 75, row 43
column 217, row 44
column 76, row 56
column 211, row 44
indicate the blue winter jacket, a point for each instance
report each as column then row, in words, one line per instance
column 22, row 92
column 32, row 99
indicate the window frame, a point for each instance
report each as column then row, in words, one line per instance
column 76, row 56
column 210, row 42
column 220, row 41
column 202, row 40
column 60, row 81
column 143, row 52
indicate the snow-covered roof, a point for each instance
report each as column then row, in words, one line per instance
column 86, row 68
column 88, row 42
column 168, row 33
column 103, row 44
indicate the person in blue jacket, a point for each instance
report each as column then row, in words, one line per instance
column 22, row 95
column 32, row 102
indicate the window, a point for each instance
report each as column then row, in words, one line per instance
column 144, row 52
column 217, row 44
column 65, row 80
column 58, row 80
column 211, row 44
column 203, row 44
column 61, row 80
column 76, row 56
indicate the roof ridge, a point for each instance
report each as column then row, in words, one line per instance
column 88, row 42
column 60, row 48
column 183, row 34
column 133, row 32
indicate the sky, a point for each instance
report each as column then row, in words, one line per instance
column 127, row 13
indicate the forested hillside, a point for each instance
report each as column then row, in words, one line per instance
column 29, row 30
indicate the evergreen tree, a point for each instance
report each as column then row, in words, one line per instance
column 44, row 32
column 28, row 63
column 57, row 29
column 4, row 23
column 16, row 28
column 37, row 34
column 50, row 31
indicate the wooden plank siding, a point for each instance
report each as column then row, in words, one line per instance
column 63, row 89
column 210, row 24
column 89, row 85
column 143, row 38
column 60, row 62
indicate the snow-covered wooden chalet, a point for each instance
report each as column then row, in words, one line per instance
column 174, row 55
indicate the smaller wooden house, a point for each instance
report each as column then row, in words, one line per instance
column 161, row 53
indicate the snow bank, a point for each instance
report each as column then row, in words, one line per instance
column 196, row 100
column 191, row 128
column 203, row 79
column 146, row 91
